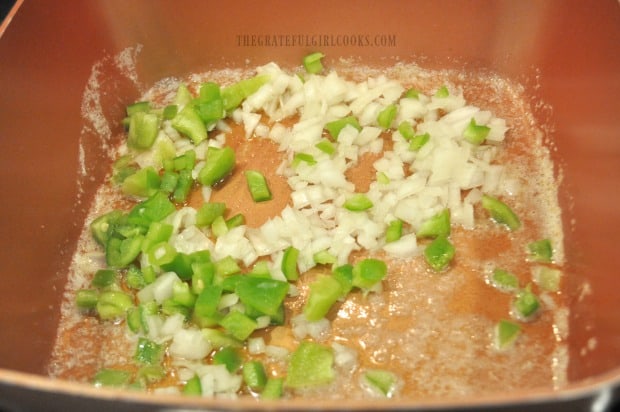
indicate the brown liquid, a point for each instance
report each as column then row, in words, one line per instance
column 434, row 330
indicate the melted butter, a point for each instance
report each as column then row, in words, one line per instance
column 434, row 330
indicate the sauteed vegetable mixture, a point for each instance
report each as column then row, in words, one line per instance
column 321, row 232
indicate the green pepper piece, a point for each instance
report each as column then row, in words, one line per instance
column 335, row 127
column 134, row 277
column 219, row 226
column 412, row 93
column 324, row 292
column 439, row 253
column 261, row 269
column 289, row 263
column 311, row 365
column 121, row 252
column 148, row 352
column 133, row 319
column 394, row 231
column 506, row 333
column 210, row 112
column 219, row 339
column 547, row 278
column 226, row 266
column 384, row 382
column 171, row 307
column 161, row 253
column 138, row 107
column 303, row 157
column 153, row 209
column 383, row 178
column 158, row 232
column 122, row 168
column 113, row 304
column 505, row 280
column 144, row 183
column 86, row 298
column 203, row 274
column 442, row 92
column 205, row 307
column 181, row 264
column 254, row 375
column 234, row 94
column 183, row 96
column 104, row 278
column 418, row 141
column 540, row 251
column 111, row 377
column 169, row 181
column 209, row 104
column 274, row 389
column 368, row 272
column 238, row 325
column 312, row 62
column 230, row 357
column 182, row 294
column 323, row 257
column 326, row 146
column 344, row 275
column 186, row 161
column 218, row 165
column 193, row 386
column 261, row 294
column 170, row 112
column 257, row 185
column 500, row 212
column 358, row 203
column 151, row 373
column 405, row 129
column 387, row 116
column 526, row 303
column 436, row 225
column 149, row 274
column 200, row 256
column 184, row 186
column 208, row 212
column 475, row 133
column 189, row 123
column 143, row 130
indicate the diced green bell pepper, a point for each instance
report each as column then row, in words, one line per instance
column 436, row 225
column 475, row 133
column 289, row 263
column 358, row 202
column 144, row 183
column 254, row 375
column 334, row 127
column 230, row 357
column 368, row 272
column 439, row 253
column 387, row 116
column 189, row 123
column 261, row 294
column 500, row 212
column 324, row 292
column 238, row 325
column 143, row 130
column 219, row 164
column 311, row 365
column 312, row 62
